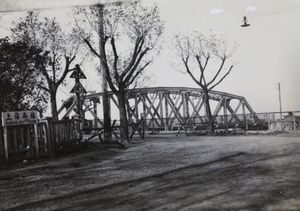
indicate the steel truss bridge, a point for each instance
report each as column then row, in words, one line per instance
column 167, row 108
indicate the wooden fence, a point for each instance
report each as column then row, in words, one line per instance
column 64, row 134
column 53, row 137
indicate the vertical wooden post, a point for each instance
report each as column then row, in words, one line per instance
column 5, row 143
column 79, row 109
column 22, row 137
column 95, row 112
column 2, row 148
column 49, row 129
column 44, row 133
column 105, row 98
column 28, row 143
column 185, row 105
column 36, row 140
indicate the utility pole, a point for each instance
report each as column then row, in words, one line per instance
column 280, row 101
column 105, row 99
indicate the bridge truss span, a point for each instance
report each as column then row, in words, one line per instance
column 169, row 107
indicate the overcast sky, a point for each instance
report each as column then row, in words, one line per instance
column 267, row 54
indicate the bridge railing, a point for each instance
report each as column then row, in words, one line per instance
column 201, row 123
column 274, row 121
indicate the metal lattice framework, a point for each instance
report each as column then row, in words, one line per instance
column 164, row 107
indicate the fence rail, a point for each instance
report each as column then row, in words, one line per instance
column 65, row 133
column 53, row 136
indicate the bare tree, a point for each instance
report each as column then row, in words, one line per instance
column 129, row 35
column 200, row 54
column 59, row 50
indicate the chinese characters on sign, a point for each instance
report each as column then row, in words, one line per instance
column 19, row 118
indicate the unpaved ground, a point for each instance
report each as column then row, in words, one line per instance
column 162, row 173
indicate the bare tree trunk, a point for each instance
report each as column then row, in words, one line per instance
column 211, row 126
column 53, row 104
column 123, row 118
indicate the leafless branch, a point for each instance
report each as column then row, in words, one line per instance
column 116, row 57
column 92, row 49
column 202, row 69
column 133, row 69
column 137, row 74
column 185, row 61
column 217, row 74
column 138, row 46
column 221, row 79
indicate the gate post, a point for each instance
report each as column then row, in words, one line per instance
column 49, row 124
column 5, row 143
column 36, row 140
column 2, row 151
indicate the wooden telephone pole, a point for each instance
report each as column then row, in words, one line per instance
column 105, row 98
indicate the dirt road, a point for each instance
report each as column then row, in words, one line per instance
column 162, row 173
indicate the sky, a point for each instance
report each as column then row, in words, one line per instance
column 267, row 52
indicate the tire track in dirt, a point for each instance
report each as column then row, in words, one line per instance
column 76, row 196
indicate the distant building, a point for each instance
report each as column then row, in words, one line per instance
column 290, row 121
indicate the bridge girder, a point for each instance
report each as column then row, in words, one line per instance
column 166, row 106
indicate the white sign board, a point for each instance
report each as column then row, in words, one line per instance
column 19, row 118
